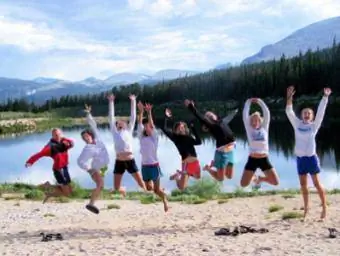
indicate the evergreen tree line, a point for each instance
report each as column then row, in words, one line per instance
column 309, row 73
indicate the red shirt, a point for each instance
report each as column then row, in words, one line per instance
column 58, row 151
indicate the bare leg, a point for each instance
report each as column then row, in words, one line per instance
column 322, row 195
column 247, row 177
column 305, row 193
column 158, row 191
column 182, row 182
column 117, row 181
column 57, row 191
column 138, row 178
column 149, row 185
column 229, row 171
column 217, row 175
column 270, row 177
column 98, row 179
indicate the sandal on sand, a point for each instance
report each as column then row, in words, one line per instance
column 92, row 208
column 235, row 232
column 223, row 232
column 332, row 232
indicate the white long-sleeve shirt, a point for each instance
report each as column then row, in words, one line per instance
column 148, row 146
column 123, row 139
column 257, row 138
column 305, row 133
column 96, row 152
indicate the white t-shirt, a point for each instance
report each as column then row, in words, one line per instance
column 257, row 138
column 305, row 133
column 123, row 139
column 148, row 146
column 96, row 153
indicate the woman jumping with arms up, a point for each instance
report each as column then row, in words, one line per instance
column 257, row 129
column 225, row 143
column 148, row 137
column 184, row 141
column 122, row 137
column 305, row 146
column 95, row 151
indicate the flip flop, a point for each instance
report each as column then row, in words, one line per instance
column 235, row 232
column 262, row 230
column 223, row 232
column 332, row 232
column 59, row 236
column 92, row 208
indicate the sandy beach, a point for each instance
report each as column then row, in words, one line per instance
column 137, row 229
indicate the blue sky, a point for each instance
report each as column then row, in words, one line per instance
column 75, row 39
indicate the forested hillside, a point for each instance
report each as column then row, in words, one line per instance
column 309, row 72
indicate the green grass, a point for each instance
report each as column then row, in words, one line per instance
column 275, row 208
column 47, row 215
column 197, row 193
column 292, row 215
column 113, row 206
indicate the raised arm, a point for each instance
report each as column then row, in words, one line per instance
column 190, row 105
column 168, row 132
column 226, row 120
column 112, row 119
column 321, row 109
column 91, row 122
column 140, row 107
column 266, row 113
column 148, row 109
column 133, row 112
column 196, row 137
column 245, row 113
column 289, row 106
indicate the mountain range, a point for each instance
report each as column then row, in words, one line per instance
column 317, row 35
column 42, row 88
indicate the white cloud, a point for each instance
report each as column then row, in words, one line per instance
column 321, row 9
column 136, row 4
column 161, row 8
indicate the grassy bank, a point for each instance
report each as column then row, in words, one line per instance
column 200, row 192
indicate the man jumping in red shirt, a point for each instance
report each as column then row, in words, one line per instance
column 57, row 149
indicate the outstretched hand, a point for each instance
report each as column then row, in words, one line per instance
column 87, row 109
column 148, row 107
column 27, row 165
column 132, row 97
column 188, row 102
column 140, row 106
column 168, row 113
column 111, row 97
column 290, row 91
column 327, row 91
column 254, row 100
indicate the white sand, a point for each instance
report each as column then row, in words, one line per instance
column 138, row 229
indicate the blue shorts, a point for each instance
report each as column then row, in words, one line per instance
column 151, row 172
column 308, row 164
column 222, row 159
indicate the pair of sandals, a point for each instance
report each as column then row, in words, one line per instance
column 240, row 230
column 48, row 237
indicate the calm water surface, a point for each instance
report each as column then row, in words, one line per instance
column 15, row 151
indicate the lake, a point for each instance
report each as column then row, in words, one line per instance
column 14, row 151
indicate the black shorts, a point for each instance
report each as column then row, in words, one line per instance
column 62, row 176
column 128, row 165
column 254, row 163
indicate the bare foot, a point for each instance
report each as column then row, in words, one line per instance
column 175, row 175
column 122, row 191
column 305, row 214
column 166, row 206
column 323, row 214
